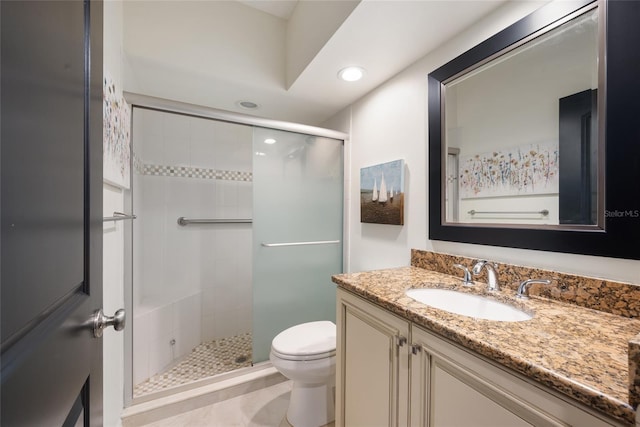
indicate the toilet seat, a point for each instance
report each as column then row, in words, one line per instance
column 307, row 341
column 306, row 354
column 297, row 357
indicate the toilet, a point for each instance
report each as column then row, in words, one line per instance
column 306, row 354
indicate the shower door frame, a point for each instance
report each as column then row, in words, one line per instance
column 177, row 107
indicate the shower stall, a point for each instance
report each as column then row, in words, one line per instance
column 238, row 230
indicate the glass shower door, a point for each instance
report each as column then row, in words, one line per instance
column 297, row 231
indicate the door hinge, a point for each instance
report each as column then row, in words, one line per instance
column 400, row 340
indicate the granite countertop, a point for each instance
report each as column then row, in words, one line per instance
column 580, row 352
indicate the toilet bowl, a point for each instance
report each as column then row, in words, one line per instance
column 306, row 354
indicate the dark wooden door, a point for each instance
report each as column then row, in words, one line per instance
column 578, row 149
column 51, row 212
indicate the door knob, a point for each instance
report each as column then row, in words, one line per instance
column 100, row 321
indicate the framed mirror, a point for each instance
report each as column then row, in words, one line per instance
column 527, row 146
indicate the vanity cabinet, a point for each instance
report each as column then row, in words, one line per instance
column 372, row 365
column 391, row 372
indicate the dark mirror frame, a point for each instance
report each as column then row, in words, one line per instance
column 619, row 236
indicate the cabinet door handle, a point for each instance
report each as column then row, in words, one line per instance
column 400, row 340
column 416, row 348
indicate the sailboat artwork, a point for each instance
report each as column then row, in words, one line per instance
column 374, row 196
column 382, row 197
column 382, row 193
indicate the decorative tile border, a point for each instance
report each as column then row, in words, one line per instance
column 622, row 299
column 234, row 176
column 181, row 171
column 191, row 172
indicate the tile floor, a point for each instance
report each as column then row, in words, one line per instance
column 264, row 407
column 206, row 360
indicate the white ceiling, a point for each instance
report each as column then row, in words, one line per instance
column 216, row 53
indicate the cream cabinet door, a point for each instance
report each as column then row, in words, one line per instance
column 455, row 402
column 451, row 387
column 444, row 394
column 372, row 382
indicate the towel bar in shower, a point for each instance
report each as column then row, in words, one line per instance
column 118, row 216
column 319, row 242
column 186, row 221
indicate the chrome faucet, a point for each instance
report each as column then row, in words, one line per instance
column 492, row 278
column 523, row 289
column 466, row 279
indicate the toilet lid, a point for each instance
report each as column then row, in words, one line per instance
column 306, row 339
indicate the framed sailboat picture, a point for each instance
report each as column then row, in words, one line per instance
column 382, row 193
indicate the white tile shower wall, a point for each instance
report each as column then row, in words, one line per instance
column 176, row 137
column 195, row 168
column 203, row 143
column 234, row 147
column 227, row 299
column 164, row 333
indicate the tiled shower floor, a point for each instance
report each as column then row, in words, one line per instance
column 206, row 360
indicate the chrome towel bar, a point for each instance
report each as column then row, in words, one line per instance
column 542, row 212
column 118, row 216
column 186, row 221
column 319, row 242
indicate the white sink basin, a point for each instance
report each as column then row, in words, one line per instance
column 468, row 305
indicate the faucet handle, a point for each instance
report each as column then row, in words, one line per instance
column 523, row 289
column 466, row 279
column 477, row 266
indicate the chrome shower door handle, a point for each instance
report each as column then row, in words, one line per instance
column 100, row 321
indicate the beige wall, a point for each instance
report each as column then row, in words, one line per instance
column 390, row 123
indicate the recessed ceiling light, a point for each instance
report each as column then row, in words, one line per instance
column 269, row 141
column 248, row 105
column 351, row 74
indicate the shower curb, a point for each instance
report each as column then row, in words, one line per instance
column 168, row 406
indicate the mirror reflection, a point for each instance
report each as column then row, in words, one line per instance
column 521, row 132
